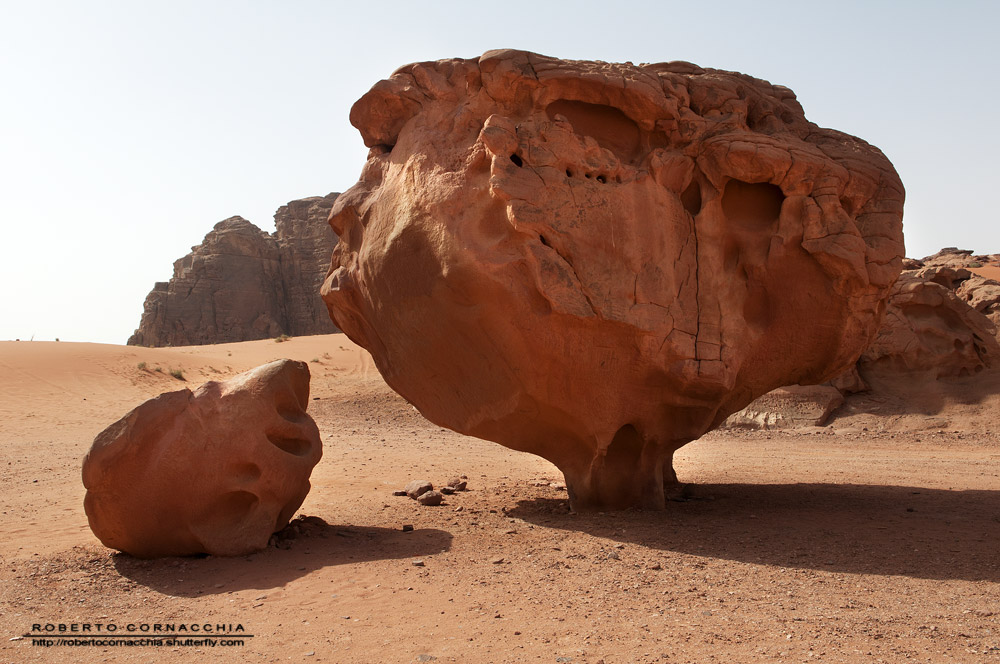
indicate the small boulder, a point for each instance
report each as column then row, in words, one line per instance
column 431, row 498
column 214, row 471
column 416, row 488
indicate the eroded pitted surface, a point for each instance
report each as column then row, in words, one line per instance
column 599, row 262
column 213, row 471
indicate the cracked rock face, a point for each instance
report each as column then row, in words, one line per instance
column 214, row 471
column 597, row 263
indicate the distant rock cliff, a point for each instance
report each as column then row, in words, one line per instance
column 241, row 283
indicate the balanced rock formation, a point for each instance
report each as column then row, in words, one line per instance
column 241, row 283
column 598, row 263
column 213, row 471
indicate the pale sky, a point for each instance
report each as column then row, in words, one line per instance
column 128, row 129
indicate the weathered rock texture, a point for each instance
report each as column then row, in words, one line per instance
column 938, row 323
column 215, row 471
column 789, row 407
column 241, row 283
column 598, row 263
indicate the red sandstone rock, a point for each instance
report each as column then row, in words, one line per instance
column 215, row 471
column 598, row 263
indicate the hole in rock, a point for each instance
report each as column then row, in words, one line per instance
column 246, row 472
column 544, row 241
column 612, row 129
column 569, row 173
column 756, row 204
column 291, row 413
column 601, row 179
column 517, row 160
column 848, row 206
column 296, row 446
column 691, row 199
column 230, row 507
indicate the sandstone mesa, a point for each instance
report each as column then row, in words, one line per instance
column 242, row 284
column 597, row 262
column 213, row 471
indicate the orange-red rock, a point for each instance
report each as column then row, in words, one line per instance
column 597, row 263
column 213, row 471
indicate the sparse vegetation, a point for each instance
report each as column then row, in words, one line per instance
column 178, row 374
column 141, row 366
column 160, row 369
column 281, row 339
column 315, row 359
column 972, row 264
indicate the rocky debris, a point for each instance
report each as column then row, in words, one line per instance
column 416, row 488
column 423, row 491
column 214, row 471
column 300, row 526
column 430, row 498
column 241, row 283
column 788, row 408
column 600, row 262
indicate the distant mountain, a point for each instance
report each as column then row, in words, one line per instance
column 242, row 284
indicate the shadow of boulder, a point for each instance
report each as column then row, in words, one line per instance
column 858, row 529
column 291, row 555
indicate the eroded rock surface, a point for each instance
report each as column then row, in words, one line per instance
column 213, row 471
column 598, row 263
column 933, row 328
column 241, row 283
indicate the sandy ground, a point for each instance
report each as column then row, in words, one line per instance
column 876, row 539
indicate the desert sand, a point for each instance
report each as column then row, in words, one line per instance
column 874, row 539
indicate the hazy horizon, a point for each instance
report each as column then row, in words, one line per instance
column 128, row 130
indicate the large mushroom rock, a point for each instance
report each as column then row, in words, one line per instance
column 213, row 471
column 597, row 262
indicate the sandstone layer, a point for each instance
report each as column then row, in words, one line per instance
column 214, row 471
column 242, row 284
column 598, row 263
